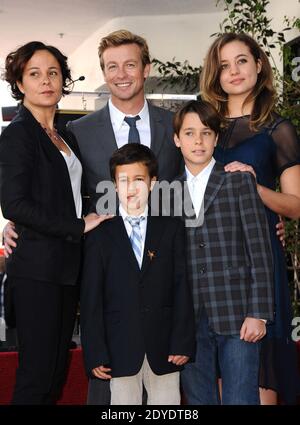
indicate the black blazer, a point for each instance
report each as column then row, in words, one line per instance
column 127, row 311
column 36, row 193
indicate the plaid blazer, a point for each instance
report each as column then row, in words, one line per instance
column 230, row 263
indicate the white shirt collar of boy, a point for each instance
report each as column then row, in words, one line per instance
column 143, row 225
column 197, row 184
column 121, row 128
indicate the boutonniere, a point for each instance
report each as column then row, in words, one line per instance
column 151, row 254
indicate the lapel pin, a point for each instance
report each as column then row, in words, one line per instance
column 151, row 254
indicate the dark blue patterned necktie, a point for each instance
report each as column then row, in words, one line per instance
column 133, row 135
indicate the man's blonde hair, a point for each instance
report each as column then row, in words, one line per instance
column 121, row 37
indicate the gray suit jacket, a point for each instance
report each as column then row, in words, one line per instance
column 96, row 140
column 229, row 257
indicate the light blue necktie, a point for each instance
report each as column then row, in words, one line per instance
column 136, row 237
column 133, row 135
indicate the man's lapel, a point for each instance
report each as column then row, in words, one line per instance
column 154, row 233
column 214, row 184
column 119, row 235
column 105, row 128
column 157, row 129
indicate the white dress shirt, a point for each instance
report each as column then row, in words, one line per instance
column 197, row 185
column 121, row 128
column 75, row 173
column 143, row 226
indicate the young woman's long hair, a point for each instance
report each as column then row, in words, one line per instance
column 263, row 94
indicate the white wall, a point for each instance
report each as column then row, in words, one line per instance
column 183, row 37
column 180, row 36
column 278, row 9
column 5, row 96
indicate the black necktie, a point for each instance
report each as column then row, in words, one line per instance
column 133, row 135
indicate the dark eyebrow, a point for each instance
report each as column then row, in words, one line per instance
column 36, row 67
column 236, row 57
column 193, row 128
column 242, row 54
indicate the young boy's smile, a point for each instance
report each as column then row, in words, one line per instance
column 197, row 143
column 133, row 185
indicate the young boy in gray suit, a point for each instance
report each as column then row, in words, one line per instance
column 229, row 266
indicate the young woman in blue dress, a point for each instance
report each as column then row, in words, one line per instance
column 237, row 79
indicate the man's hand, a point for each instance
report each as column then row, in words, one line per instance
column 100, row 372
column 92, row 220
column 252, row 329
column 9, row 235
column 178, row 360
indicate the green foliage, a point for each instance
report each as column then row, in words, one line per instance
column 250, row 16
column 180, row 74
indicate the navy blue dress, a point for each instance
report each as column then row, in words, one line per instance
column 270, row 151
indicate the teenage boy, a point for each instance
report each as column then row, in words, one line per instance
column 136, row 306
column 229, row 265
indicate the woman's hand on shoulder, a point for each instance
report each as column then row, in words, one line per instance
column 93, row 220
column 239, row 166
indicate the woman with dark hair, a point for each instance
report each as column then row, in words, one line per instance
column 40, row 191
column 237, row 79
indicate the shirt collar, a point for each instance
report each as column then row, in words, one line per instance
column 124, row 214
column 117, row 117
column 206, row 171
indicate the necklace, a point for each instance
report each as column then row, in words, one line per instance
column 53, row 134
column 56, row 139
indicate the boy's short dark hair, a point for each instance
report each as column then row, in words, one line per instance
column 131, row 153
column 208, row 115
